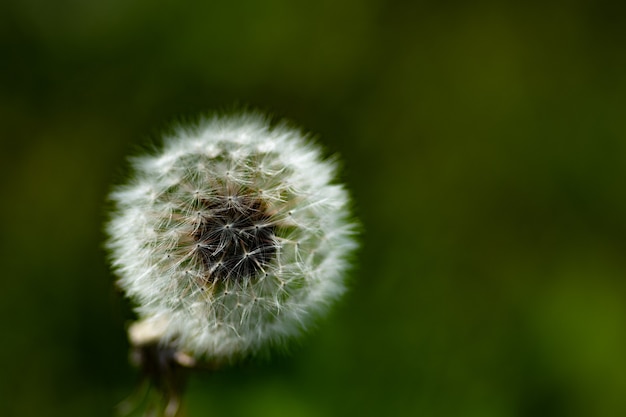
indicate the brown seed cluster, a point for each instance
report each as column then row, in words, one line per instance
column 234, row 238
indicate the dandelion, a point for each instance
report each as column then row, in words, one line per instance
column 230, row 239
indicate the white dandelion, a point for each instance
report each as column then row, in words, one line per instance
column 232, row 238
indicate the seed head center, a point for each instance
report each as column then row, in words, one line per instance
column 234, row 238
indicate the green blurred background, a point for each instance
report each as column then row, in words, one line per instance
column 485, row 145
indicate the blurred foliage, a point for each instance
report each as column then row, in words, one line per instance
column 485, row 144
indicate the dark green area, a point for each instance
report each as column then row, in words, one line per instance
column 485, row 145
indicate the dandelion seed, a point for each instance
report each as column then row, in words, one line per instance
column 232, row 238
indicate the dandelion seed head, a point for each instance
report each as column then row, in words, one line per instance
column 233, row 237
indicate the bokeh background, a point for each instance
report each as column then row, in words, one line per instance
column 485, row 146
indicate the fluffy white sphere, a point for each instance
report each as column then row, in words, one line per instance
column 231, row 238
